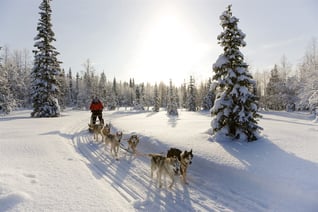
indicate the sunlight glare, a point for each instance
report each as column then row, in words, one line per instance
column 168, row 50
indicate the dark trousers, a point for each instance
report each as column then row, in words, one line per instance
column 98, row 114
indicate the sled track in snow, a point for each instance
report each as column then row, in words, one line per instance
column 130, row 176
column 103, row 164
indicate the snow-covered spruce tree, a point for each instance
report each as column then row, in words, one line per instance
column 308, row 71
column 8, row 84
column 77, row 90
column 63, row 90
column 184, row 95
column 138, row 103
column 4, row 90
column 70, row 89
column 156, row 107
column 46, row 70
column 172, row 105
column 192, row 105
column 209, row 98
column 235, row 109
column 102, row 88
column 275, row 91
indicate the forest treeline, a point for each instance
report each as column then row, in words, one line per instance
column 284, row 87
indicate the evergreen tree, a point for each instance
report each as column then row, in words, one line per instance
column 138, row 103
column 156, row 99
column 308, row 70
column 163, row 94
column 235, row 109
column 192, row 105
column 184, row 95
column 209, row 98
column 112, row 98
column 102, row 88
column 6, row 100
column 70, row 92
column 77, row 82
column 275, row 90
column 46, row 70
column 63, row 97
column 88, row 82
column 172, row 106
column 132, row 94
column 4, row 89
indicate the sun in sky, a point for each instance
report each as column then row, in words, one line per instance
column 168, row 50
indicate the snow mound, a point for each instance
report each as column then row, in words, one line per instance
column 9, row 199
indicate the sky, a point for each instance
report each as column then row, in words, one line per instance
column 159, row 40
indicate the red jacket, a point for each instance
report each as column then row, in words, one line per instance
column 96, row 106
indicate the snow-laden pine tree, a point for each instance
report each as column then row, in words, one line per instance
column 138, row 103
column 184, row 95
column 192, row 105
column 8, row 82
column 102, row 88
column 172, row 105
column 70, row 89
column 46, row 70
column 4, row 89
column 156, row 107
column 209, row 98
column 308, row 71
column 235, row 109
column 275, row 91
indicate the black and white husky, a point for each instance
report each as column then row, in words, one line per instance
column 185, row 159
column 164, row 166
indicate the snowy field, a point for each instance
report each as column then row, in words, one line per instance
column 53, row 164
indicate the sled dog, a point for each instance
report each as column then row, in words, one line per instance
column 132, row 143
column 105, row 131
column 174, row 152
column 164, row 166
column 114, row 141
column 96, row 129
column 185, row 159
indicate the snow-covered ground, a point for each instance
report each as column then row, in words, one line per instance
column 53, row 164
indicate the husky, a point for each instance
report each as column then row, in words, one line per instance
column 114, row 141
column 164, row 165
column 96, row 129
column 185, row 159
column 105, row 131
column 174, row 152
column 132, row 143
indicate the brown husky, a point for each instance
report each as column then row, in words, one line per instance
column 95, row 129
column 132, row 143
column 114, row 141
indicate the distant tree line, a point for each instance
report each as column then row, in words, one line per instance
column 76, row 90
column 283, row 88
